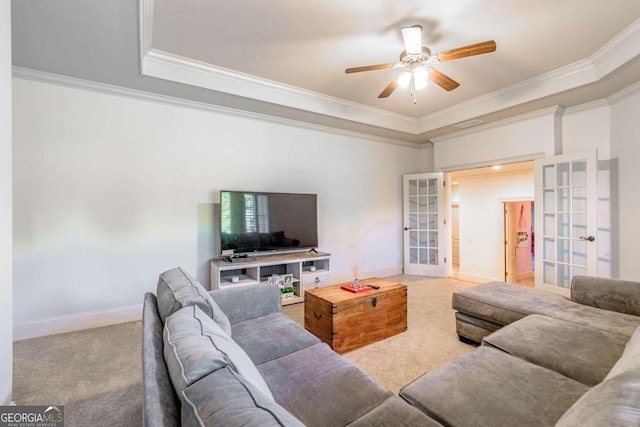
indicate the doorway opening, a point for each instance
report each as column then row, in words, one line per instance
column 519, row 248
column 476, row 219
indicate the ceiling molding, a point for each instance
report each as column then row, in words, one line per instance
column 550, row 111
column 145, row 22
column 176, row 68
column 622, row 94
column 76, row 83
column 617, row 52
column 155, row 63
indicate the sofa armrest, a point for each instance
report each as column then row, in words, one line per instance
column 244, row 302
column 618, row 295
column 160, row 404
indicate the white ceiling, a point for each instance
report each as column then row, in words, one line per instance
column 286, row 59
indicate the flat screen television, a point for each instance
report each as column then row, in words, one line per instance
column 267, row 222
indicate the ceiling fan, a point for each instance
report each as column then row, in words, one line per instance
column 416, row 60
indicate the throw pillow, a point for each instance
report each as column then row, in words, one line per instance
column 177, row 289
column 195, row 346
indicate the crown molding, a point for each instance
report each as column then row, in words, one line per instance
column 615, row 53
column 75, row 83
column 624, row 93
column 145, row 22
column 176, row 68
column 554, row 111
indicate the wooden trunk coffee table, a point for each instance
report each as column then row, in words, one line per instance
column 347, row 320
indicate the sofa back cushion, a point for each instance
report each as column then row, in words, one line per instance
column 177, row 289
column 195, row 346
column 630, row 358
column 613, row 402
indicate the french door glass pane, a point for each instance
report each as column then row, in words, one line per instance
column 549, row 273
column 413, row 255
column 422, row 186
column 579, row 199
column 579, row 173
column 413, row 187
column 579, row 253
column 563, row 225
column 564, row 276
column 563, row 174
column 549, row 226
column 549, row 201
column 549, row 249
column 549, row 176
column 563, row 251
column 563, row 200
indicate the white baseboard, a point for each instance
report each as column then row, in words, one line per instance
column 75, row 322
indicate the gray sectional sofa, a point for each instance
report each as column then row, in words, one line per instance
column 230, row 357
column 544, row 359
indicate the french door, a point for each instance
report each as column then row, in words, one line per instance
column 424, row 225
column 565, row 205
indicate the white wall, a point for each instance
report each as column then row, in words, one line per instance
column 481, row 221
column 6, row 288
column 529, row 135
column 609, row 126
column 110, row 191
column 625, row 152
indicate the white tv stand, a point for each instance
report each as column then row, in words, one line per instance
column 258, row 268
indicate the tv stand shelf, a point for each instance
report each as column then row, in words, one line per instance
column 258, row 268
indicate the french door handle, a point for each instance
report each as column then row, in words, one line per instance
column 408, row 229
column 588, row 238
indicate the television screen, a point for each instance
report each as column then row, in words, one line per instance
column 255, row 222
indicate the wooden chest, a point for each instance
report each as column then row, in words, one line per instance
column 347, row 320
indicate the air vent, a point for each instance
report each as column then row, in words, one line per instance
column 468, row 124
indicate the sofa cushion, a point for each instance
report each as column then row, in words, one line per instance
column 576, row 351
column 271, row 336
column 614, row 402
column 177, row 289
column 605, row 320
column 504, row 303
column 224, row 398
column 321, row 388
column 490, row 388
column 630, row 358
column 194, row 346
column 395, row 412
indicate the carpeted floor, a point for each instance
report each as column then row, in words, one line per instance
column 96, row 373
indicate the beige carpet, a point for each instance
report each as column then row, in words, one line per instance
column 96, row 373
column 430, row 339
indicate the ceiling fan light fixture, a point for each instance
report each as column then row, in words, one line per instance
column 404, row 80
column 412, row 37
column 420, row 77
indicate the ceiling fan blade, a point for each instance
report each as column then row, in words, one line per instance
column 412, row 37
column 463, row 52
column 368, row 68
column 442, row 80
column 388, row 90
